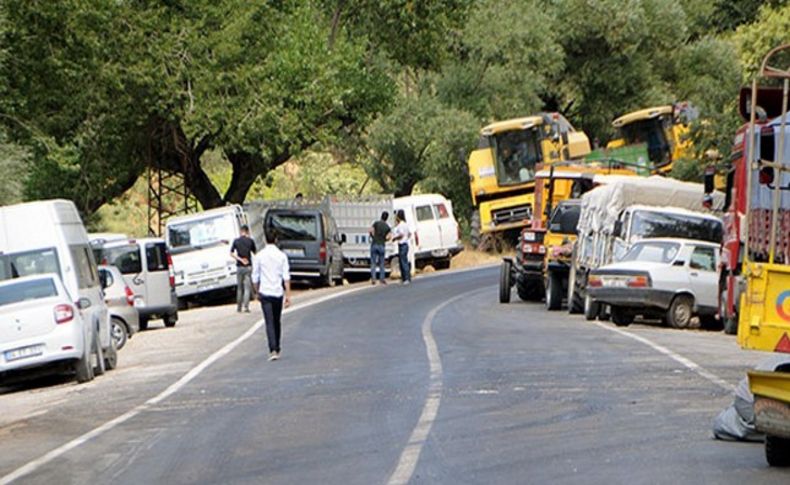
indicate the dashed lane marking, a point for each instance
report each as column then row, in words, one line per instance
column 685, row 362
column 419, row 435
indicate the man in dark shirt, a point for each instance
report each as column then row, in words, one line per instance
column 242, row 251
column 379, row 234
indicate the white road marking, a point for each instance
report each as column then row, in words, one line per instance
column 688, row 363
column 419, row 435
column 34, row 465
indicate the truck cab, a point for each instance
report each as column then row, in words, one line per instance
column 502, row 168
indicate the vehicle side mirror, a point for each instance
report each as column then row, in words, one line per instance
column 767, row 176
column 618, row 228
column 710, row 174
column 83, row 303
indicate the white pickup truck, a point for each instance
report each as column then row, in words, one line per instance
column 667, row 278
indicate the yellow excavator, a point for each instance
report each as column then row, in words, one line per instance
column 502, row 170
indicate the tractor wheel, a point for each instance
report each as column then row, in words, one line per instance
column 505, row 281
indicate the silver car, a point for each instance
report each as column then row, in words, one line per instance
column 120, row 300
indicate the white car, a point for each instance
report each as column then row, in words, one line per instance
column 672, row 279
column 42, row 328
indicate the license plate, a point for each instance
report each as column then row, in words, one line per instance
column 614, row 282
column 440, row 253
column 294, row 252
column 24, row 352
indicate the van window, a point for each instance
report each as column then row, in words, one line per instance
column 29, row 263
column 126, row 258
column 424, row 213
column 294, row 227
column 27, row 290
column 441, row 209
column 84, row 267
column 156, row 257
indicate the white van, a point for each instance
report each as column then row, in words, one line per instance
column 436, row 237
column 200, row 247
column 48, row 237
column 147, row 268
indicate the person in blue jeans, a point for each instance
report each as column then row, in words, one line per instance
column 401, row 234
column 379, row 234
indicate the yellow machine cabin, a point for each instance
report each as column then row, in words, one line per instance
column 663, row 129
column 502, row 168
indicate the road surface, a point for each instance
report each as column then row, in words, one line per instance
column 430, row 383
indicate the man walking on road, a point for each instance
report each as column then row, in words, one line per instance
column 270, row 274
column 242, row 250
column 379, row 234
column 401, row 234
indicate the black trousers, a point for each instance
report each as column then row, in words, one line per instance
column 272, row 307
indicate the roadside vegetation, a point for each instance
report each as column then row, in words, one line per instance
column 266, row 99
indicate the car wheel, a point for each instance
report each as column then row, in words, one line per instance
column 329, row 279
column 553, row 292
column 170, row 320
column 442, row 264
column 99, row 353
column 120, row 334
column 591, row 308
column 143, row 323
column 111, row 357
column 777, row 451
column 680, row 312
column 505, row 281
column 604, row 314
column 83, row 367
column 621, row 318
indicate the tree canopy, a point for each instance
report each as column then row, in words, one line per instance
column 93, row 92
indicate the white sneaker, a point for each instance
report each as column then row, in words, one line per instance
column 273, row 356
column 406, row 283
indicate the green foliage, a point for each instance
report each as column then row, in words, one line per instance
column 753, row 41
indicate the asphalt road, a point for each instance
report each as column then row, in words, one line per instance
column 430, row 383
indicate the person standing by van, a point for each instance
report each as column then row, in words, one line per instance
column 270, row 274
column 401, row 234
column 379, row 234
column 242, row 251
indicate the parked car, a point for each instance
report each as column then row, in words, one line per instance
column 121, row 301
column 310, row 239
column 148, row 270
column 672, row 279
column 436, row 237
column 48, row 237
column 43, row 329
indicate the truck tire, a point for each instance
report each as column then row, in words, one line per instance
column 777, row 451
column 591, row 308
column 730, row 321
column 575, row 301
column 440, row 264
column 621, row 318
column 99, row 369
column 680, row 312
column 474, row 229
column 553, row 292
column 505, row 282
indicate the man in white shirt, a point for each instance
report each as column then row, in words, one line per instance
column 401, row 234
column 270, row 273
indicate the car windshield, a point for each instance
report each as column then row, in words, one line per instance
column 293, row 227
column 648, row 224
column 652, row 252
column 201, row 233
column 28, row 263
column 517, row 153
column 36, row 289
column 565, row 219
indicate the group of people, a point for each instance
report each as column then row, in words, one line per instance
column 265, row 274
column 380, row 233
